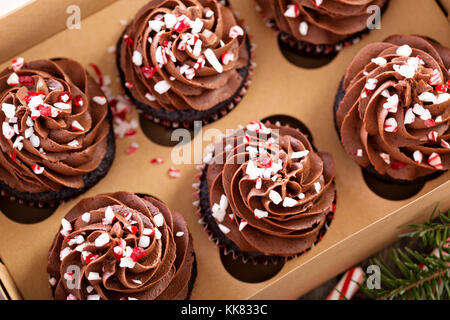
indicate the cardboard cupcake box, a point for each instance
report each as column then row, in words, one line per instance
column 364, row 222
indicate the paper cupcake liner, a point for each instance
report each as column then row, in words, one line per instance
column 322, row 50
column 214, row 234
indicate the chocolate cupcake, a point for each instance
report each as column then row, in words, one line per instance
column 57, row 139
column 319, row 27
column 393, row 109
column 122, row 246
column 265, row 194
column 182, row 61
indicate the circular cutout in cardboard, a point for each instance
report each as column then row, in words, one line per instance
column 304, row 60
column 22, row 213
column 249, row 272
column 292, row 122
column 163, row 135
column 391, row 190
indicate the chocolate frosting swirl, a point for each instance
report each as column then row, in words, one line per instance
column 324, row 22
column 121, row 246
column 53, row 131
column 395, row 114
column 271, row 191
column 183, row 54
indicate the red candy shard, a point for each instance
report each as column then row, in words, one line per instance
column 159, row 160
column 397, row 165
column 78, row 101
column 91, row 257
column 26, row 80
column 442, row 88
column 429, row 123
column 14, row 155
column 148, row 72
column 45, row 111
column 138, row 253
column 266, row 162
column 128, row 40
column 134, row 229
column 32, row 94
column 130, row 133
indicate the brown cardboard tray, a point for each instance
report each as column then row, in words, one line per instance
column 363, row 223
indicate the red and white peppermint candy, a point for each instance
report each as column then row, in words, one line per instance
column 359, row 153
column 137, row 58
column 404, row 50
column 390, row 125
column 443, row 97
column 160, row 55
column 259, row 214
column 391, row 104
column 227, row 57
column 197, row 48
column 101, row 240
column 199, row 64
column 423, row 113
column 109, row 216
column 158, row 160
column 224, row 229
column 77, row 126
column 133, row 148
column 189, row 73
column 386, row 158
column 66, row 227
column 170, row 20
column 435, row 78
column 371, row 84
column 208, row 13
column 101, row 100
column 129, row 85
column 379, row 61
column 441, row 88
column 78, row 101
column 433, row 135
column 174, row 173
column 197, row 26
column 292, row 11
column 242, row 224
column 258, row 184
column 183, row 23
column 406, row 71
column 427, row 97
column 64, row 253
column 303, row 28
column 445, row 144
column 409, row 116
column 8, row 131
column 156, row 25
column 347, row 286
column 162, row 87
column 235, row 31
column 13, row 80
column 418, row 156
column 212, row 59
column 435, row 161
column 17, row 63
column 37, row 169
column 318, row 3
column 254, row 126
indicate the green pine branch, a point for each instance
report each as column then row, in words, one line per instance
column 419, row 275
